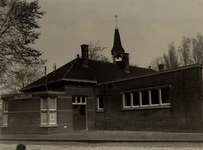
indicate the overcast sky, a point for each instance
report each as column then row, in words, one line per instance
column 146, row 27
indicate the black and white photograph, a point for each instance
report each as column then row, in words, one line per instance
column 101, row 74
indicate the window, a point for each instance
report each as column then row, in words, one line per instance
column 5, row 113
column 136, row 98
column 48, row 111
column 100, row 103
column 82, row 110
column 75, row 109
column 164, row 96
column 146, row 97
column 79, row 110
column 155, row 96
column 80, row 100
column 127, row 98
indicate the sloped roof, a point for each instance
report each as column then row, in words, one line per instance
column 96, row 72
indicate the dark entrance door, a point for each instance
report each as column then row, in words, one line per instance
column 79, row 117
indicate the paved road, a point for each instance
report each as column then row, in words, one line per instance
column 11, row 145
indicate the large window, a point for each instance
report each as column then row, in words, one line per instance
column 100, row 103
column 5, row 113
column 146, row 97
column 48, row 111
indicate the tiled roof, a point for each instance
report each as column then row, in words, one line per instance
column 96, row 71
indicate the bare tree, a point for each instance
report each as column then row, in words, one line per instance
column 172, row 56
column 156, row 62
column 186, row 56
column 166, row 61
column 197, row 51
column 170, row 60
column 185, row 52
column 19, row 76
column 95, row 52
column 18, row 24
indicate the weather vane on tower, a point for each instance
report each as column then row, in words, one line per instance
column 116, row 16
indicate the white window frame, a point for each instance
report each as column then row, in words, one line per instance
column 124, row 106
column 79, row 103
column 98, row 100
column 160, row 102
column 48, row 111
column 158, row 97
column 140, row 102
column 149, row 98
column 140, row 98
column 5, row 114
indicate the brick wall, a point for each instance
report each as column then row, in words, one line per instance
column 23, row 116
column 88, row 91
column 185, row 95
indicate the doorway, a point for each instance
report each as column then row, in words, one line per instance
column 79, row 117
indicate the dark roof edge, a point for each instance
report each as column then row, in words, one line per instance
column 78, row 80
column 150, row 74
column 62, row 79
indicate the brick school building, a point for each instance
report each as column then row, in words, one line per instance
column 93, row 95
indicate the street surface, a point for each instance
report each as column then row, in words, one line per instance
column 35, row 145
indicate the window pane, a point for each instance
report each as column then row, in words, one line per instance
column 78, row 99
column 52, row 118
column 83, row 100
column 164, row 95
column 52, row 104
column 127, row 99
column 5, row 119
column 5, row 105
column 145, row 98
column 73, row 100
column 101, row 105
column 82, row 110
column 75, row 110
column 136, row 99
column 44, row 118
column 44, row 103
column 155, row 96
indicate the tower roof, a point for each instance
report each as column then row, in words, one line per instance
column 117, row 50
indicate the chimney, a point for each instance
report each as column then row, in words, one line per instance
column 84, row 49
column 161, row 67
column 126, row 62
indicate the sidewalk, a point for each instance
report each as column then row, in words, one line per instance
column 108, row 136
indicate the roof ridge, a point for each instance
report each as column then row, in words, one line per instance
column 70, row 67
column 101, row 61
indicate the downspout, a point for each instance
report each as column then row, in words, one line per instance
column 45, row 77
column 105, row 106
column 183, row 86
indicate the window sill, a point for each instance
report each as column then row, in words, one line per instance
column 48, row 126
column 4, row 126
column 147, row 107
column 100, row 110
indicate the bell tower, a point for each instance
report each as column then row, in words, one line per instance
column 118, row 53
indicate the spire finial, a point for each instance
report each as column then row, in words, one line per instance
column 116, row 16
